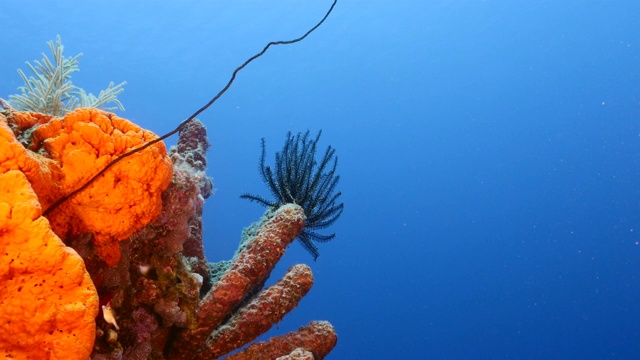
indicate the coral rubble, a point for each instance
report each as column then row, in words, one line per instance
column 138, row 230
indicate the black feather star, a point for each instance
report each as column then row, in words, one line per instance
column 299, row 179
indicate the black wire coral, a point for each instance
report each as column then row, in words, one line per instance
column 299, row 179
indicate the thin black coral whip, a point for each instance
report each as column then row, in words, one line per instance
column 191, row 118
column 298, row 178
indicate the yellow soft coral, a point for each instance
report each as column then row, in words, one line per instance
column 48, row 302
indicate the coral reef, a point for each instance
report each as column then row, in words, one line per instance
column 138, row 229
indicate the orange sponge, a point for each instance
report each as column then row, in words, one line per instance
column 66, row 152
column 123, row 199
column 48, row 302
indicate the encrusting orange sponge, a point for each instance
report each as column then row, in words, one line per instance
column 123, row 199
column 44, row 174
column 48, row 302
column 66, row 152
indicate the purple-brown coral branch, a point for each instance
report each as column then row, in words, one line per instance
column 262, row 312
column 251, row 267
column 318, row 337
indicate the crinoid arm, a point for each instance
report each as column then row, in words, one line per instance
column 298, row 178
column 259, row 199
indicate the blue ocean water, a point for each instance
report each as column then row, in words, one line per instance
column 489, row 154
